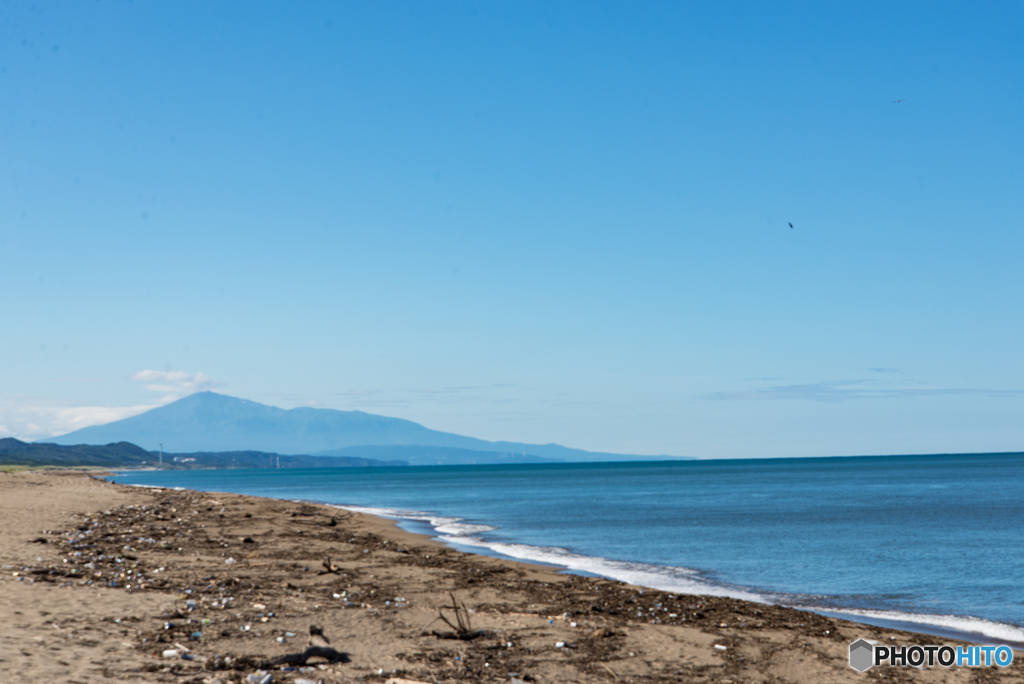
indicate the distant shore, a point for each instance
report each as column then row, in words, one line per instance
column 127, row 573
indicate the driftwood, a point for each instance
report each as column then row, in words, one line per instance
column 318, row 647
column 332, row 520
column 329, row 654
column 468, row 636
column 463, row 629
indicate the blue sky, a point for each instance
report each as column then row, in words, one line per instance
column 542, row 222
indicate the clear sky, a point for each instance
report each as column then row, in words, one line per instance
column 542, row 222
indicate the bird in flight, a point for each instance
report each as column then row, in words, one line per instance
column 790, row 225
column 897, row 101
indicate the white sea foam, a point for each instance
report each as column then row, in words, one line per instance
column 681, row 580
column 146, row 486
column 665, row 578
column 443, row 525
column 961, row 624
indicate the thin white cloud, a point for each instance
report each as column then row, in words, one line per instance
column 34, row 418
column 844, row 390
column 176, row 383
column 30, row 418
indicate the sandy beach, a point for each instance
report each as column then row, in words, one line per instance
column 108, row 583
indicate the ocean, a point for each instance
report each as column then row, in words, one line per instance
column 929, row 543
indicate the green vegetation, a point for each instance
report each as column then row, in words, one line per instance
column 14, row 452
column 18, row 455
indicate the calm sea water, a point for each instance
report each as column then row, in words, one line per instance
column 936, row 541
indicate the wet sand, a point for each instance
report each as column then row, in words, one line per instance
column 100, row 580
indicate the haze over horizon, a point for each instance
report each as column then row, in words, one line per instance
column 544, row 224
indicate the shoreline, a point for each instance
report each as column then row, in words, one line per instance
column 932, row 625
column 877, row 617
column 156, row 567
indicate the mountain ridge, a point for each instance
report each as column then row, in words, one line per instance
column 420, row 455
column 212, row 422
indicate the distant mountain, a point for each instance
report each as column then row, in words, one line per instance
column 15, row 452
column 207, row 421
column 419, row 455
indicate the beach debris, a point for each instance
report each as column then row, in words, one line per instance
column 600, row 633
column 720, row 647
column 317, row 637
column 172, row 653
column 609, row 670
column 330, row 568
column 319, row 647
column 260, row 677
column 230, row 561
column 559, row 644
